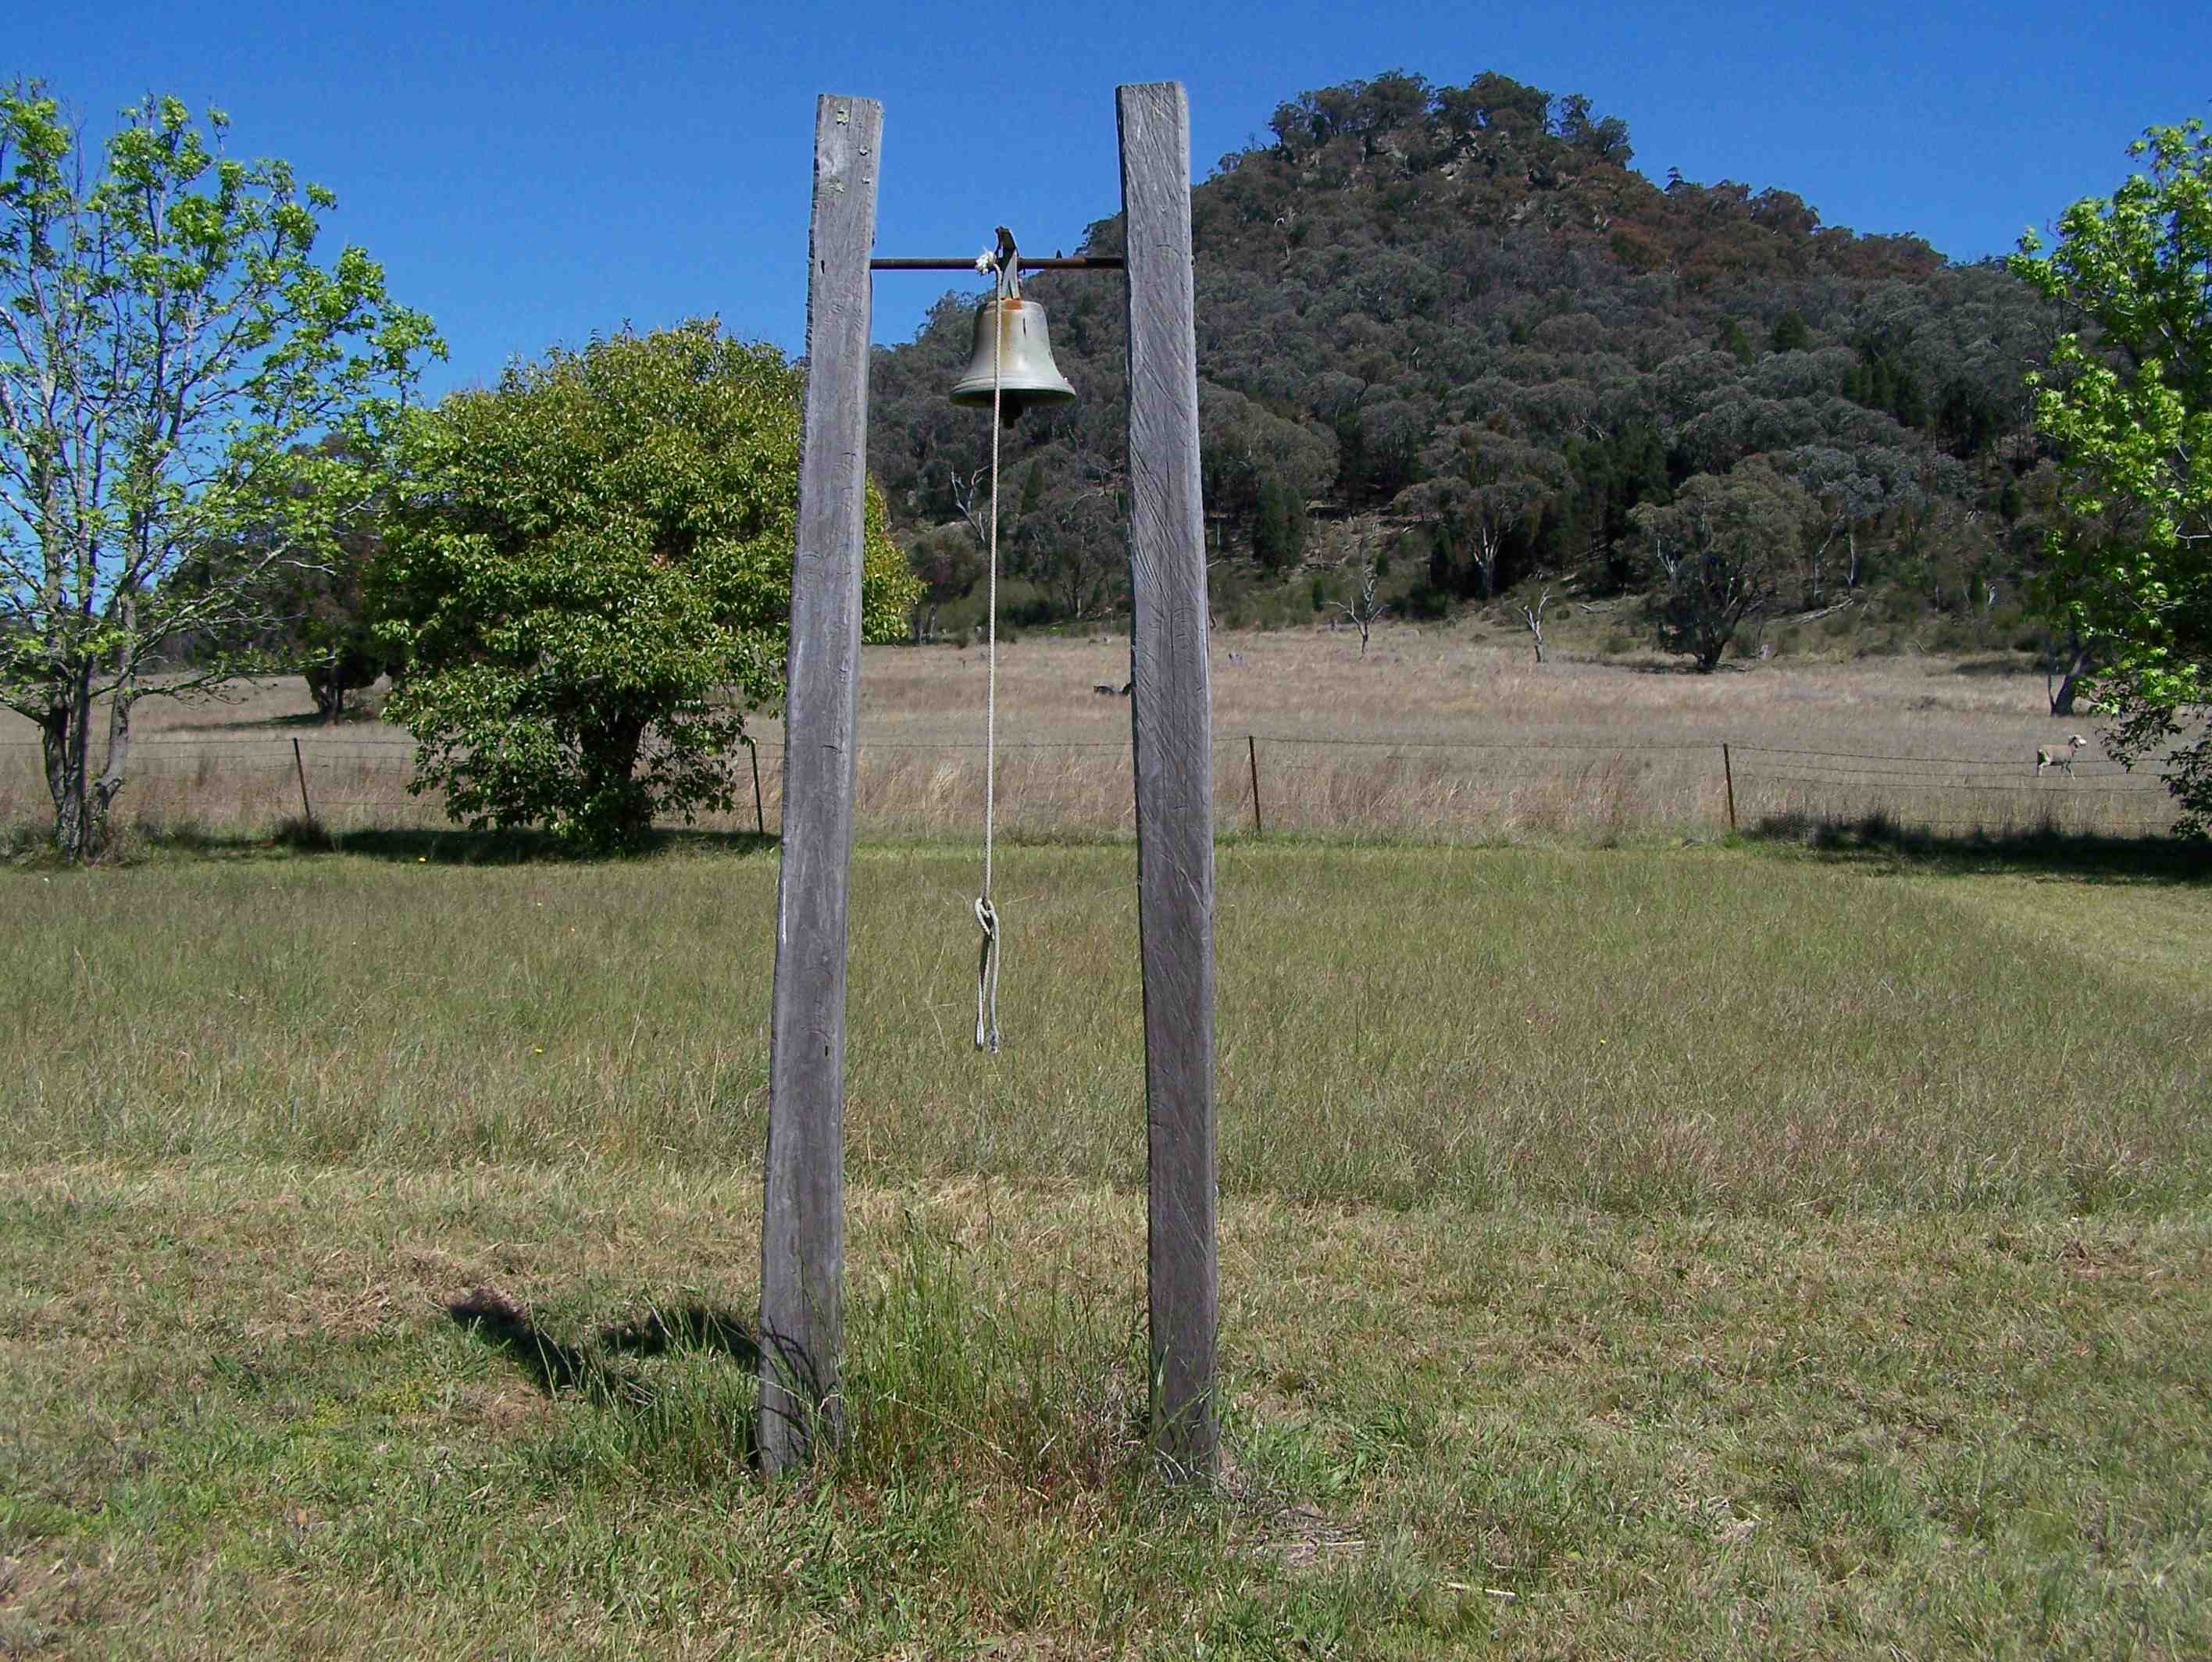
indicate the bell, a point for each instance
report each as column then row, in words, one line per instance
column 1027, row 374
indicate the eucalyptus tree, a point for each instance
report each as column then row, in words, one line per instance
column 1851, row 490
column 169, row 345
column 1483, row 485
column 1074, row 544
column 1717, row 554
column 946, row 564
column 1248, row 448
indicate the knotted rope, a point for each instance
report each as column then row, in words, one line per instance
column 986, row 978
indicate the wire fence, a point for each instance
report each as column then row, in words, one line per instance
column 1319, row 784
column 1994, row 794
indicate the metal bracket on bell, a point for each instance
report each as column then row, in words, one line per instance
column 1019, row 363
column 1006, row 263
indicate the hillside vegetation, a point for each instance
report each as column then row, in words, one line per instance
column 1452, row 326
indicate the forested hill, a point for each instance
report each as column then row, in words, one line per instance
column 1457, row 316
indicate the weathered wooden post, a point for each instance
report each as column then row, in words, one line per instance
column 760, row 814
column 803, row 1220
column 1173, row 720
column 300, row 767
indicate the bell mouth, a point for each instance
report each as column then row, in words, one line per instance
column 1012, row 403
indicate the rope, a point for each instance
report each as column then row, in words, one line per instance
column 986, row 916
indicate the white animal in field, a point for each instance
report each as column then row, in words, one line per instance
column 2058, row 755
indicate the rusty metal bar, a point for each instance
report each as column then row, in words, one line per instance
column 1077, row 263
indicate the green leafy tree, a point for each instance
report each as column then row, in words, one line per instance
column 168, row 341
column 2128, row 403
column 590, row 574
column 1717, row 555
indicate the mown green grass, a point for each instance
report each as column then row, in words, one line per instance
column 239, row 1422
column 1707, row 1253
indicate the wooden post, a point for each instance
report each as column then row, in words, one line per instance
column 1252, row 751
column 760, row 813
column 1174, row 753
column 803, row 1220
column 299, row 767
column 1728, row 778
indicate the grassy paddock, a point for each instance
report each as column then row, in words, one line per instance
column 1693, row 1253
column 1446, row 735
column 1706, row 1029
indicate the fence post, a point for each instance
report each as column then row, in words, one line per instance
column 1252, row 748
column 760, row 814
column 1728, row 778
column 307, row 809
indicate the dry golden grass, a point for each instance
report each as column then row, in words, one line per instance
column 1439, row 733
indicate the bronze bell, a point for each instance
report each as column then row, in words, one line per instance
column 1027, row 374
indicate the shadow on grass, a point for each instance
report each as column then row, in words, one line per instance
column 1644, row 666
column 447, row 847
column 297, row 837
column 591, row 1369
column 2085, row 857
column 1999, row 664
column 300, row 721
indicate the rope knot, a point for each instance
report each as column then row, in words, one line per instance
column 986, row 976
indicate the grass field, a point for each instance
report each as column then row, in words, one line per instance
column 1438, row 735
column 1707, row 1252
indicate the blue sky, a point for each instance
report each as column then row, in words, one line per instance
column 533, row 174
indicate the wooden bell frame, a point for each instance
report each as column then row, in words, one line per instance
column 803, row 1221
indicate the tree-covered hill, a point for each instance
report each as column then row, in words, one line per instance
column 1456, row 316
